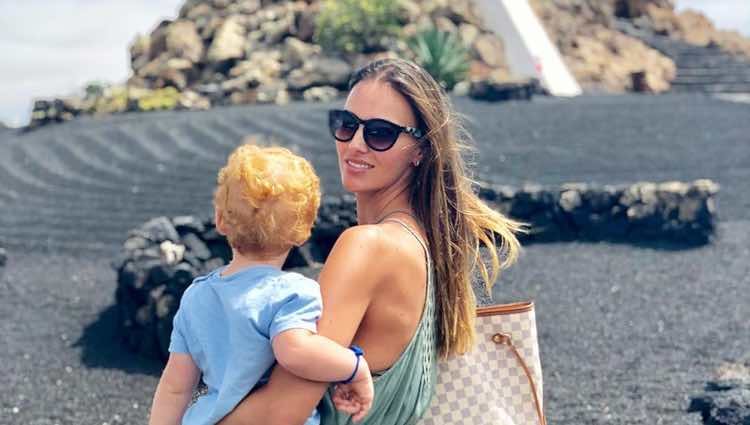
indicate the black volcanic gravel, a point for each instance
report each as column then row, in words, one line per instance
column 627, row 333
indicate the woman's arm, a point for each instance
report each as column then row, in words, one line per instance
column 348, row 282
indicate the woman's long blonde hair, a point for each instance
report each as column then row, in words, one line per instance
column 455, row 219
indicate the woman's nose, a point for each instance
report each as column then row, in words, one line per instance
column 358, row 141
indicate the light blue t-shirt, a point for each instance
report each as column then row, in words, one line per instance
column 226, row 324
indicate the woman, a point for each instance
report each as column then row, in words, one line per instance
column 398, row 284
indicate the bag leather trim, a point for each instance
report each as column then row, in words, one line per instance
column 512, row 308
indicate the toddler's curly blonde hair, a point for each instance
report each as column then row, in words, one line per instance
column 268, row 199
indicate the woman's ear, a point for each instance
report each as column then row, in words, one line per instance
column 417, row 158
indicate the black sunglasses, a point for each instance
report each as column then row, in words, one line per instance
column 379, row 134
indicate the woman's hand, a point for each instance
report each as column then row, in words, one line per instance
column 356, row 397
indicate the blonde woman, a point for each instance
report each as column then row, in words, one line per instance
column 398, row 283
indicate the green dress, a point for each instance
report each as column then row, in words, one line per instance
column 403, row 392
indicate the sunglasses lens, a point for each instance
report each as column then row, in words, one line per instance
column 380, row 135
column 342, row 125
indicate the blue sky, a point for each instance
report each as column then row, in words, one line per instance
column 53, row 47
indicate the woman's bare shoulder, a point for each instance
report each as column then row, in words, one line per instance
column 369, row 251
column 376, row 241
column 355, row 257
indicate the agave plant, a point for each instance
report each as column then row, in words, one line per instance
column 442, row 54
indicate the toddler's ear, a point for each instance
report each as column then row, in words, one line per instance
column 219, row 221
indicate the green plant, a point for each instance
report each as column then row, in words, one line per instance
column 94, row 89
column 166, row 98
column 357, row 26
column 112, row 100
column 442, row 54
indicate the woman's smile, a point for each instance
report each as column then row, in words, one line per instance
column 357, row 166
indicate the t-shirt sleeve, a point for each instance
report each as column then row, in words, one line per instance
column 299, row 306
column 178, row 340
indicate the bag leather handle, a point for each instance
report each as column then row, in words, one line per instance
column 505, row 339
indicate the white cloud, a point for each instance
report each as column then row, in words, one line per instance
column 53, row 47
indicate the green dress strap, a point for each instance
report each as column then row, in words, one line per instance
column 402, row 392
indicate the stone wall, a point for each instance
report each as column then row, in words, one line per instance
column 163, row 256
column 682, row 213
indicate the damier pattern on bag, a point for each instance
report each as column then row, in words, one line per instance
column 489, row 385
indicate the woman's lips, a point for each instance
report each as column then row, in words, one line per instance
column 357, row 166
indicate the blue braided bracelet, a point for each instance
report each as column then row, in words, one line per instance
column 358, row 352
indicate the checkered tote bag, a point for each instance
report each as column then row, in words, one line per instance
column 500, row 381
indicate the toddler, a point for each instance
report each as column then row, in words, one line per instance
column 233, row 323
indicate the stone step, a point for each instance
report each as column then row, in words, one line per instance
column 694, row 51
column 728, row 65
column 675, row 49
column 711, row 72
column 711, row 88
column 699, row 69
column 709, row 79
column 691, row 50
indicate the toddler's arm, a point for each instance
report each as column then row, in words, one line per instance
column 316, row 357
column 175, row 390
column 298, row 348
